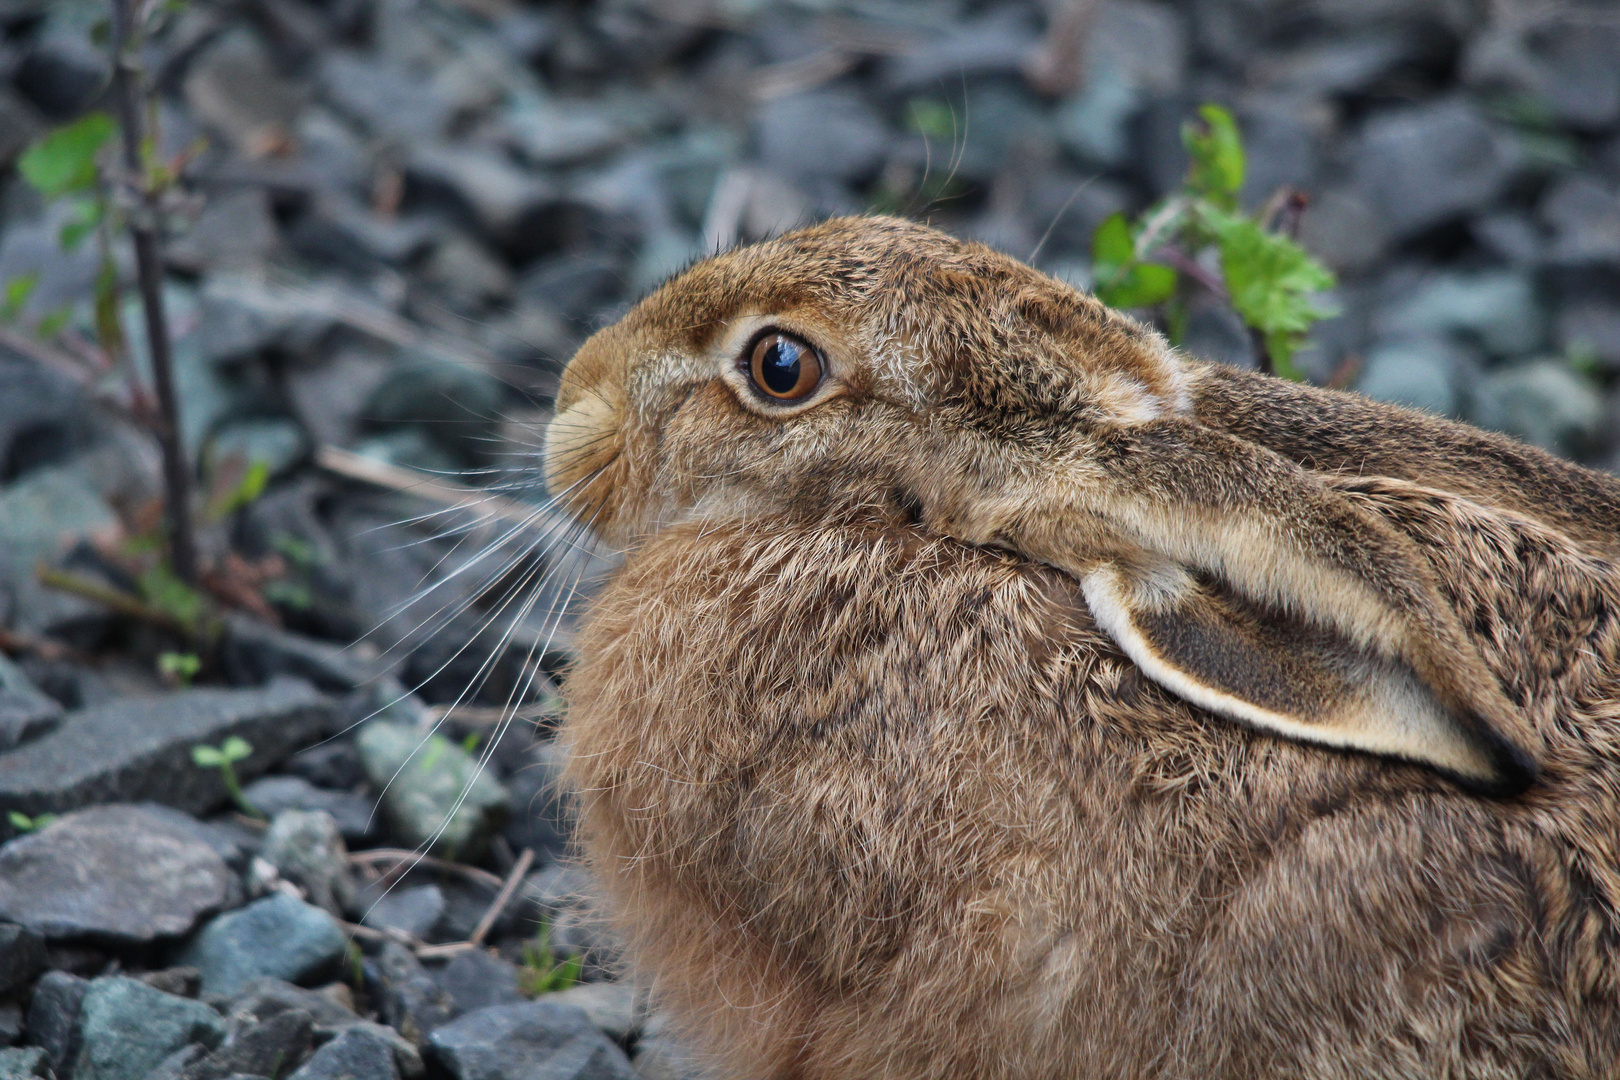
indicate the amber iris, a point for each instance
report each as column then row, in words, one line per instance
column 784, row 367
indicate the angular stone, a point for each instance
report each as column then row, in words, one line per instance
column 235, row 231
column 1418, row 374
column 409, row 999
column 413, row 911
column 127, row 1029
column 825, row 133
column 22, row 956
column 434, row 793
column 1592, row 327
column 262, row 1049
column 45, row 417
column 478, row 979
column 1542, row 402
column 53, row 1017
column 240, row 316
column 305, row 848
column 24, row 1064
column 1584, row 214
column 278, row 936
column 272, row 795
column 114, row 874
column 542, row 812
column 233, row 87
column 1423, row 165
column 1496, row 309
column 140, row 749
column 498, row 195
column 253, row 653
column 357, row 1054
column 537, row 1040
column 611, row 1006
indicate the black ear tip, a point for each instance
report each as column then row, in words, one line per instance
column 1514, row 770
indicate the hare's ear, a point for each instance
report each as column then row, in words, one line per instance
column 1241, row 583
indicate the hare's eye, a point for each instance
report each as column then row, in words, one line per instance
column 784, row 367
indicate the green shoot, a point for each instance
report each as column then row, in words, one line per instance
column 1266, row 277
column 63, row 162
column 25, row 824
column 224, row 758
column 540, row 972
column 178, row 667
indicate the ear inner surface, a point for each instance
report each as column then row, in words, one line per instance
column 1280, row 674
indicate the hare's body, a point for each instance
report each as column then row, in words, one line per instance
column 905, row 738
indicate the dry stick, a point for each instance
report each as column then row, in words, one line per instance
column 1058, row 65
column 143, row 222
column 409, row 859
column 502, row 898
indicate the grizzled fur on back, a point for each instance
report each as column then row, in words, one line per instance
column 932, row 823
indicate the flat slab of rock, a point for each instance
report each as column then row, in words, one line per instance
column 138, row 750
column 117, row 873
column 537, row 1040
column 127, row 1029
column 278, row 936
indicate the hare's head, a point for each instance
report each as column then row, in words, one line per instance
column 871, row 366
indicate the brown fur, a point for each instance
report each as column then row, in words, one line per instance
column 871, row 794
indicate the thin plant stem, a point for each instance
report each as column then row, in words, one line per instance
column 143, row 228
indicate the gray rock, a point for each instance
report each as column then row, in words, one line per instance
column 662, row 1058
column 548, row 132
column 1134, row 51
column 1584, row 214
column 339, row 229
column 356, row 1054
column 53, row 1017
column 1556, row 56
column 1495, row 309
column 1342, row 65
column 180, row 981
column 253, row 653
column 26, row 711
column 542, row 813
column 276, row 443
column 112, row 873
column 24, row 1064
column 264, row 997
column 413, row 911
column 22, row 957
column 407, row 997
column 334, row 764
column 454, row 405
column 1592, row 327
column 44, row 512
column 831, row 134
column 135, row 749
column 240, row 316
column 305, row 848
column 20, row 124
column 498, row 196
column 1422, row 165
column 1542, row 402
column 476, row 980
column 234, row 88
column 267, row 1048
column 11, row 1023
column 996, row 43
column 235, row 230
column 434, row 793
column 611, row 1006
column 352, row 813
column 45, row 417
column 328, row 396
column 382, row 98
column 537, row 1040
column 278, row 936
column 466, row 273
column 127, row 1029
column 1418, row 374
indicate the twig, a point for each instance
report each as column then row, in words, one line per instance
column 143, row 226
column 439, row 952
column 407, row 860
column 352, row 466
column 117, row 599
column 502, row 898
column 15, row 641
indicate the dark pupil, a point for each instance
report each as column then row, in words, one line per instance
column 780, row 366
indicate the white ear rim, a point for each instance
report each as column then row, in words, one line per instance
column 1402, row 718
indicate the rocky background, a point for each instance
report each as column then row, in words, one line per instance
column 406, row 215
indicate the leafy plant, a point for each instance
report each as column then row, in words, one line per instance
column 25, row 824
column 179, row 667
column 1263, row 273
column 541, row 972
column 224, row 758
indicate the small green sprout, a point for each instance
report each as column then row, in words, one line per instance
column 540, row 972
column 224, row 758
column 179, row 667
column 25, row 824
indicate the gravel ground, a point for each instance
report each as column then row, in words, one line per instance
column 405, row 216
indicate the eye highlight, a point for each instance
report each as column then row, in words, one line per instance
column 783, row 367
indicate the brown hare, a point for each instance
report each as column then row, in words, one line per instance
column 991, row 692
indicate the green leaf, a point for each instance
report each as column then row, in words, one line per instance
column 173, row 597
column 1271, row 281
column 182, row 667
column 236, row 748
column 1111, row 245
column 64, row 161
column 208, row 757
column 53, row 322
column 88, row 214
column 18, row 290
column 1216, row 150
column 931, row 118
column 1142, row 285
